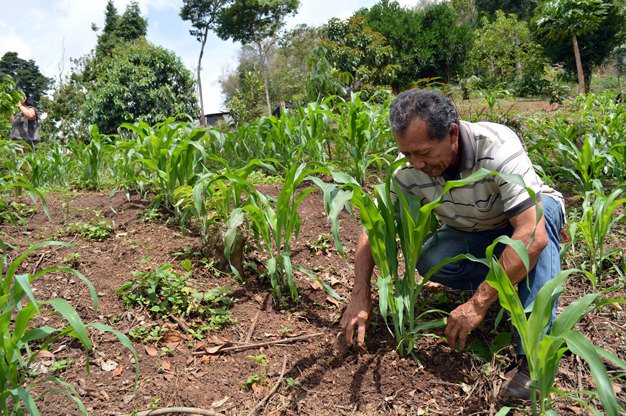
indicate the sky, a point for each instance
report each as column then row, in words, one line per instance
column 51, row 32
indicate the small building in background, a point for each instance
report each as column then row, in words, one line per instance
column 214, row 118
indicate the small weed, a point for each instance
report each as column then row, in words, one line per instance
column 92, row 231
column 60, row 366
column 167, row 350
column 72, row 260
column 291, row 382
column 15, row 212
column 322, row 244
column 164, row 292
column 258, row 379
column 151, row 215
column 147, row 334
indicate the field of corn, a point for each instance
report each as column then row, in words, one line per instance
column 206, row 268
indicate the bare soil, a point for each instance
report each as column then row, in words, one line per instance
column 189, row 373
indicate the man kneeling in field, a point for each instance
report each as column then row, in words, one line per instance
column 440, row 147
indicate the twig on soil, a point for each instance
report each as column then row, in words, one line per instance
column 256, row 319
column 180, row 323
column 242, row 347
column 269, row 394
column 171, row 410
column 38, row 263
column 252, row 327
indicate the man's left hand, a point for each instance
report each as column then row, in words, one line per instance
column 463, row 320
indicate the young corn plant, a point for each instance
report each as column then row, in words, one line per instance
column 597, row 218
column 386, row 222
column 91, row 158
column 544, row 346
column 364, row 137
column 276, row 223
column 20, row 342
column 174, row 155
column 211, row 200
column 586, row 163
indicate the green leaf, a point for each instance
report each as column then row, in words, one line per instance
column 587, row 351
column 71, row 316
column 123, row 339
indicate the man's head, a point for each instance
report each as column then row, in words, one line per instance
column 426, row 127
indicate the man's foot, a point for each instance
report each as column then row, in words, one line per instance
column 517, row 386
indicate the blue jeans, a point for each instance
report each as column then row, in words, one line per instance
column 467, row 275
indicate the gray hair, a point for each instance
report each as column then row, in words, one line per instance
column 435, row 109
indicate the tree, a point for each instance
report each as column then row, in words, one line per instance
column 425, row 42
column 139, row 81
column 132, row 25
column 203, row 16
column 556, row 20
column 25, row 74
column 118, row 28
column 594, row 47
column 522, row 8
column 504, row 51
column 256, row 22
column 288, row 62
column 354, row 48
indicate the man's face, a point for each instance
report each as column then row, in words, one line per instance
column 424, row 153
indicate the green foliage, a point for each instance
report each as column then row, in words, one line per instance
column 92, row 231
column 545, row 347
column 425, row 42
column 355, row 48
column 9, row 98
column 25, row 74
column 246, row 105
column 503, row 51
column 322, row 79
column 276, row 223
column 365, row 136
column 596, row 220
column 170, row 154
column 18, row 312
column 139, row 81
column 253, row 20
column 127, row 27
column 164, row 291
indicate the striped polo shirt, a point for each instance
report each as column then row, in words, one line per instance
column 489, row 203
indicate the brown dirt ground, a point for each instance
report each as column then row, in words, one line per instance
column 441, row 382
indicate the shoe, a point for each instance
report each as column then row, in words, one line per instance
column 517, row 385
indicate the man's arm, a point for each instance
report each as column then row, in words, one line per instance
column 468, row 316
column 358, row 312
column 29, row 112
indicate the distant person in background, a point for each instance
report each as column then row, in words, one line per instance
column 25, row 124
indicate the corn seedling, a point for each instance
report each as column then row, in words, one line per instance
column 595, row 223
column 20, row 342
column 275, row 224
column 172, row 153
column 387, row 221
column 544, row 347
column 364, row 136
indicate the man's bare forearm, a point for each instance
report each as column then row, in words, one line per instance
column 363, row 269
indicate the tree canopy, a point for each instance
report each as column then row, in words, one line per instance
column 140, row 81
column 25, row 74
column 130, row 25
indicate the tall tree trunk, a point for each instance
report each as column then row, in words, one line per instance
column 266, row 81
column 202, row 115
column 579, row 66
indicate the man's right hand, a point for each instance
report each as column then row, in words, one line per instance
column 356, row 317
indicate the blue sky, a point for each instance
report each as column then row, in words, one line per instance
column 58, row 30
